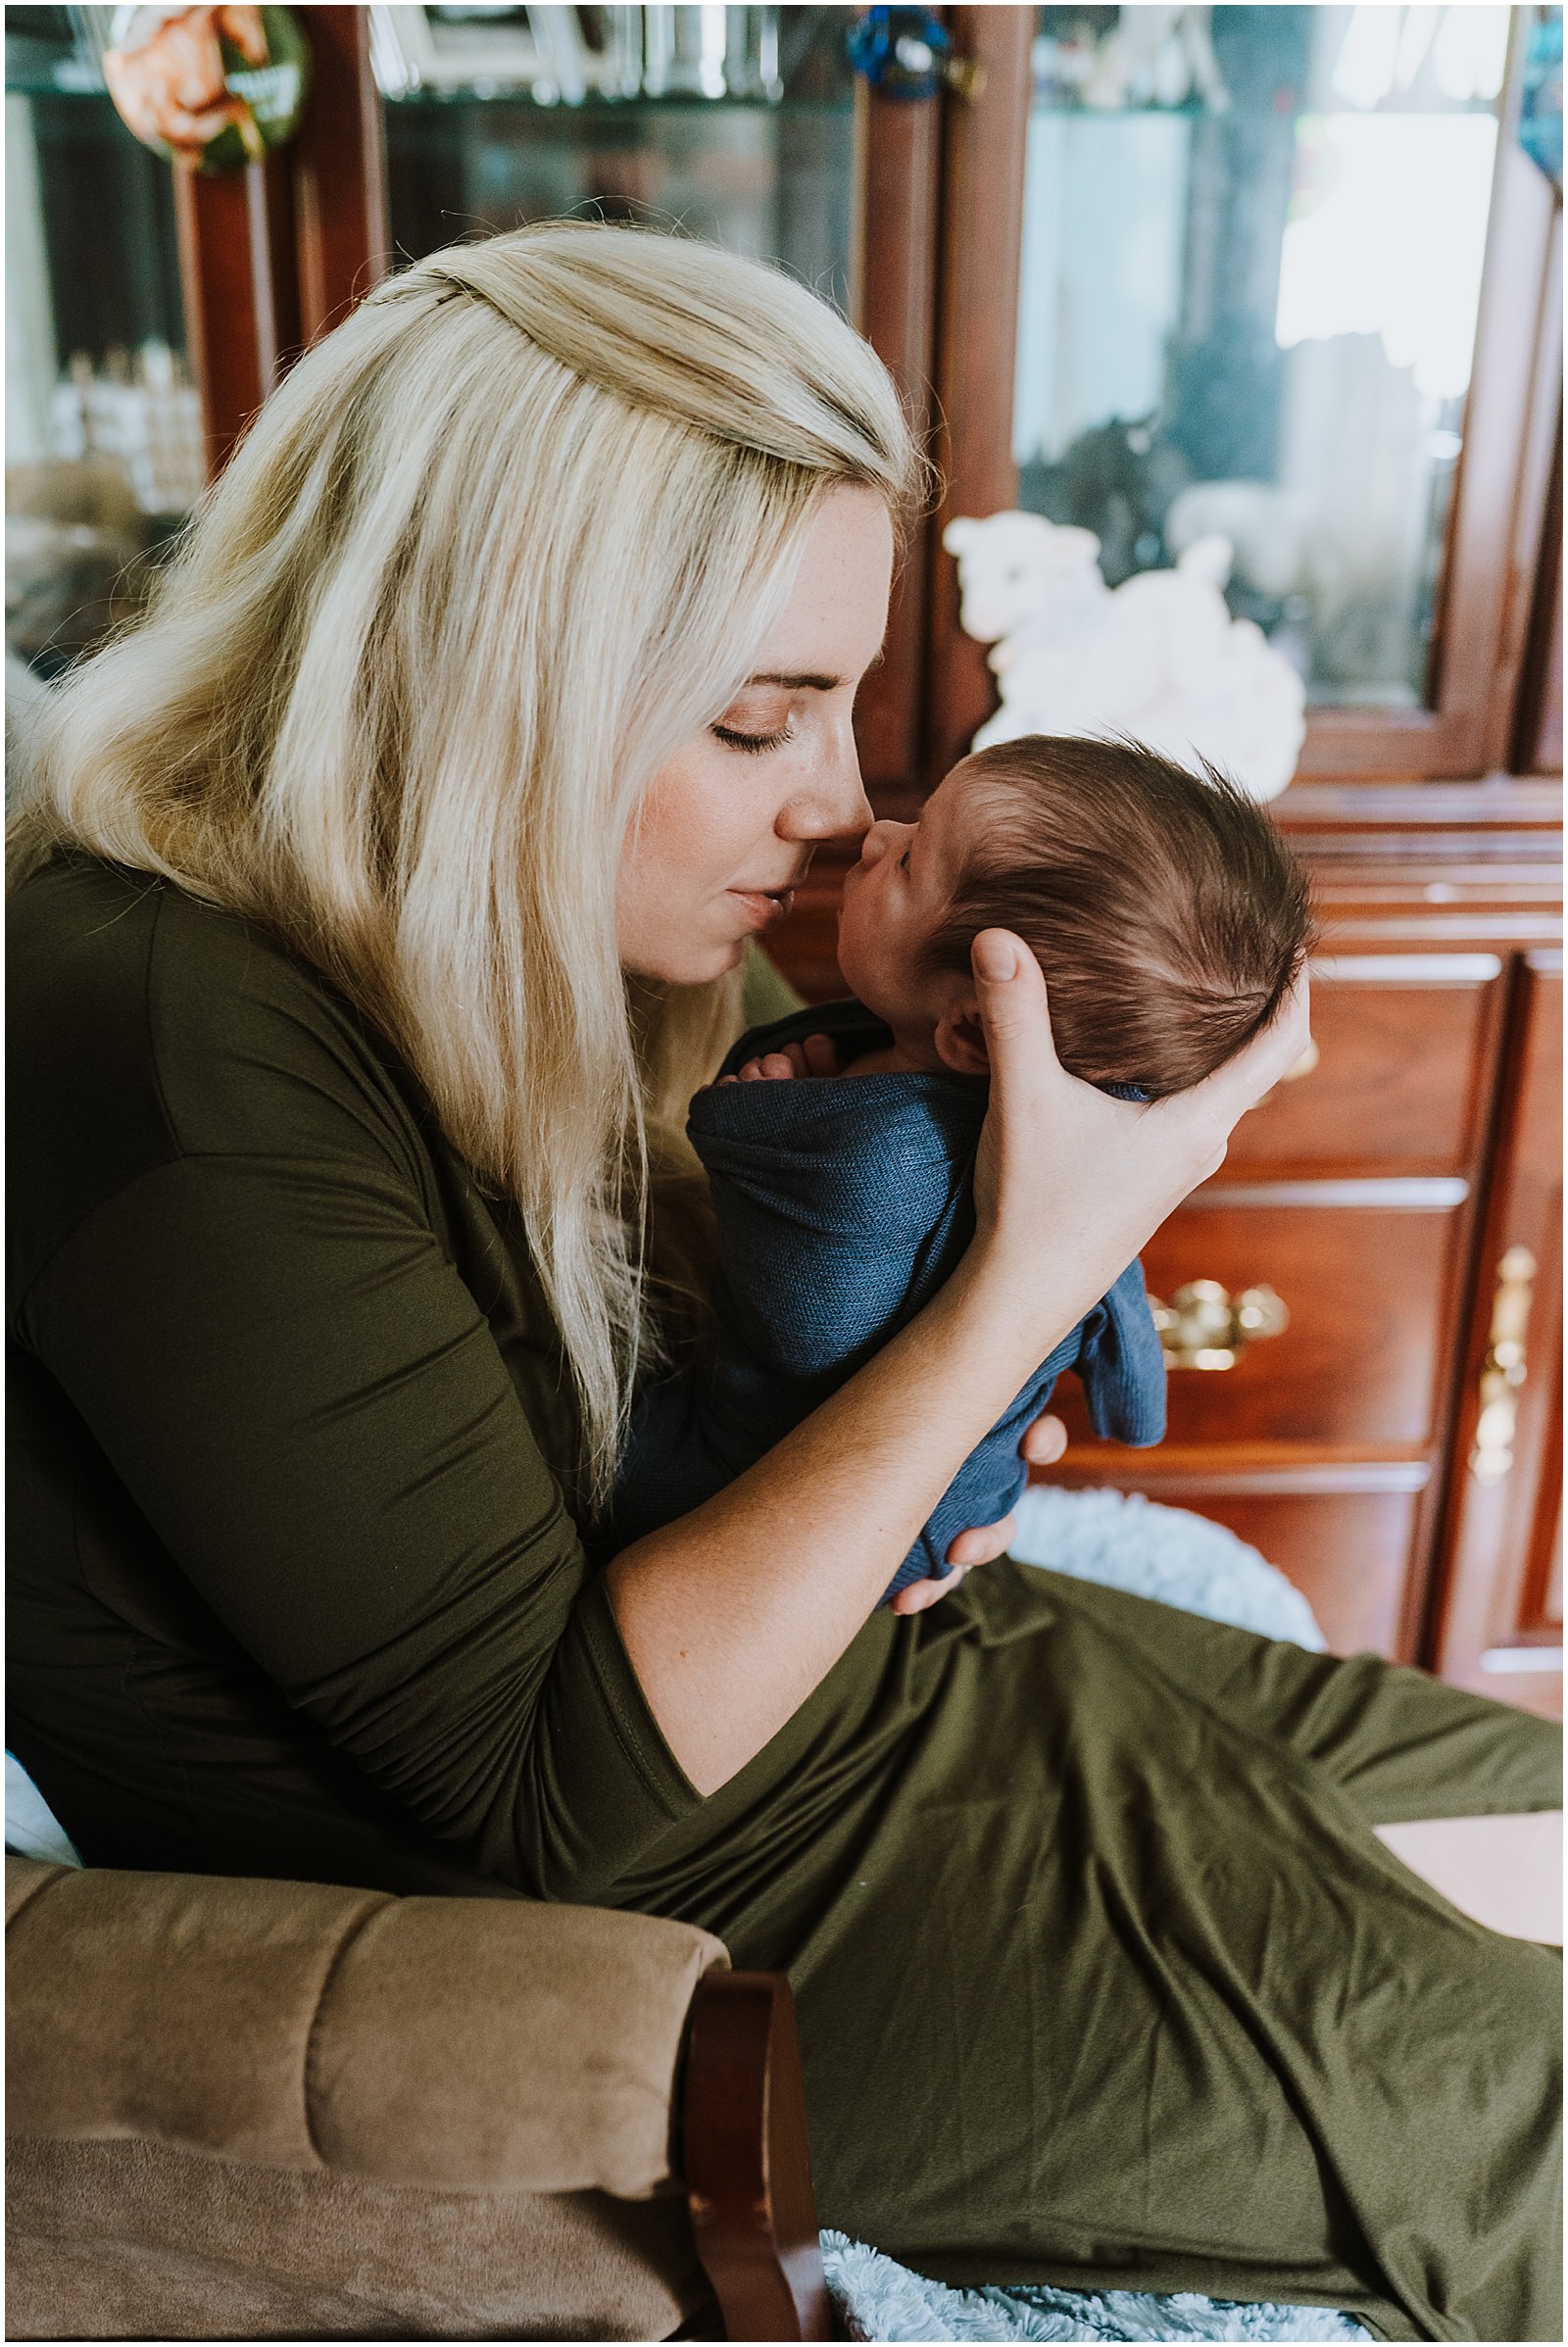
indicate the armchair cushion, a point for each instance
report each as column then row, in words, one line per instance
column 462, row 2044
column 255, row 2108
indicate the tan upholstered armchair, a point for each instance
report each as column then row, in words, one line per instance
column 253, row 2109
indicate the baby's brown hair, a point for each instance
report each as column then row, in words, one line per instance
column 1168, row 914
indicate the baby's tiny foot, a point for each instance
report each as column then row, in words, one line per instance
column 817, row 1055
column 774, row 1067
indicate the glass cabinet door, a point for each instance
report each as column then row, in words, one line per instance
column 104, row 453
column 1253, row 256
column 1282, row 276
column 736, row 124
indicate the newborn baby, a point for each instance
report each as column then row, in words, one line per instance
column 1170, row 923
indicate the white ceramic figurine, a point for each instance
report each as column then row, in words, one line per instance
column 1158, row 657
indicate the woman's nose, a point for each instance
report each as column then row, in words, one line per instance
column 834, row 802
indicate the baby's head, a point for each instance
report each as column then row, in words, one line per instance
column 1165, row 910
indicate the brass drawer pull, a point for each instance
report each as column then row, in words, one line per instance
column 1204, row 1327
column 1503, row 1371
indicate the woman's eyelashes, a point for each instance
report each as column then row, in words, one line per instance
column 753, row 744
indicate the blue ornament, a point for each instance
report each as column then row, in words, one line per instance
column 902, row 52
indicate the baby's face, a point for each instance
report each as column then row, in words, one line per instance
column 896, row 897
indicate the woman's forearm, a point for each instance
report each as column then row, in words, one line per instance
column 733, row 1614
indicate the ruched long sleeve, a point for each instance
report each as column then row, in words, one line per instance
column 304, row 1373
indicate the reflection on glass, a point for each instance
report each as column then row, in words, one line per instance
column 104, row 450
column 1252, row 252
column 734, row 125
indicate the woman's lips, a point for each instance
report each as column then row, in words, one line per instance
column 764, row 907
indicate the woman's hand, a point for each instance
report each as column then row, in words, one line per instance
column 1055, row 1149
column 1042, row 1446
column 1069, row 1182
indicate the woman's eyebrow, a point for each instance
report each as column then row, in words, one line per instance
column 794, row 681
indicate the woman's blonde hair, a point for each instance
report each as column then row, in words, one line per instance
column 491, row 552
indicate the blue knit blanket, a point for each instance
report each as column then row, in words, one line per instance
column 841, row 1206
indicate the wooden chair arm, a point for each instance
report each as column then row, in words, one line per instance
column 747, row 2161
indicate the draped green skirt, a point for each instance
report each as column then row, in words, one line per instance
column 1104, row 1979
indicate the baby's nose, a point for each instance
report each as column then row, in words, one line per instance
column 878, row 840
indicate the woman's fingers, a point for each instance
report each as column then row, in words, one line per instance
column 1243, row 1081
column 1044, row 1441
column 1069, row 1182
column 1199, row 1124
column 1011, row 988
column 982, row 1543
column 922, row 1593
column 1013, row 1183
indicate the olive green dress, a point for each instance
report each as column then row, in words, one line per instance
column 1102, row 1976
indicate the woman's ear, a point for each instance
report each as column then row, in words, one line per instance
column 959, row 1037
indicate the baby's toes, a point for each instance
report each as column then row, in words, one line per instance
column 776, row 1064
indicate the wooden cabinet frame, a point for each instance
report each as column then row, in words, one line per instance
column 1498, row 1610
column 273, row 255
column 893, row 300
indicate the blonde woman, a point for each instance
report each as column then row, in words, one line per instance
column 382, row 902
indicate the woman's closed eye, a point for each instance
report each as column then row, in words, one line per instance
column 754, row 744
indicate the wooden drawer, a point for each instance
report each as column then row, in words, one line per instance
column 1405, row 1048
column 1369, row 1287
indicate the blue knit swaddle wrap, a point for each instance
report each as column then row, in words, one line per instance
column 841, row 1205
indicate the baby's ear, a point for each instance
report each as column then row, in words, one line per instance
column 960, row 1039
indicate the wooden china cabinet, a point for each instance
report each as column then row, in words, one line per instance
column 1365, row 1305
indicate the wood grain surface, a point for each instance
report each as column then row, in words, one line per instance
column 893, row 302
column 1402, row 1079
column 977, row 325
column 1362, row 1362
column 747, row 2162
column 343, row 232
column 241, row 294
column 1500, row 1573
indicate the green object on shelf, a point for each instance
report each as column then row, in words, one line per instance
column 274, row 93
column 264, row 96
